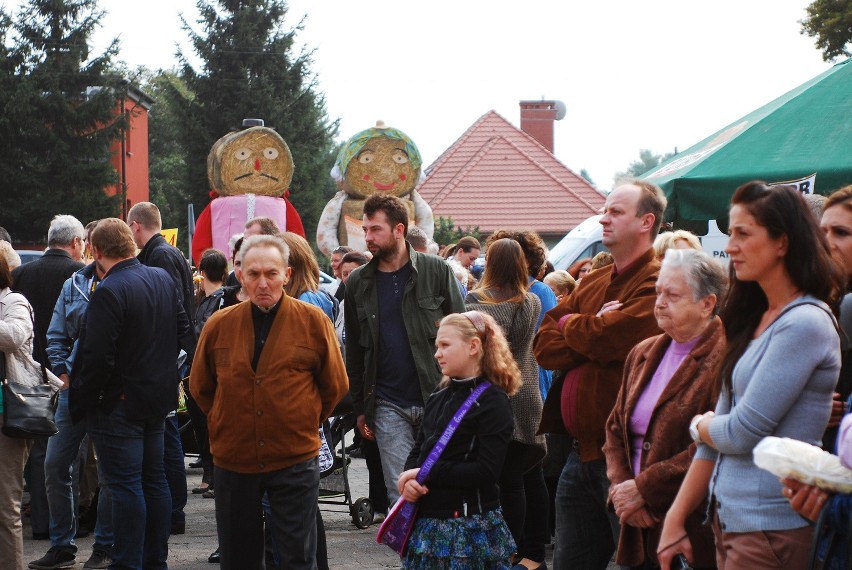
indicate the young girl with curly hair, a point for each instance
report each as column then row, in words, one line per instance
column 460, row 523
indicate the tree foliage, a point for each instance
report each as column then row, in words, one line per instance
column 584, row 174
column 647, row 161
column 58, row 117
column 830, row 22
column 249, row 70
column 167, row 156
column 446, row 231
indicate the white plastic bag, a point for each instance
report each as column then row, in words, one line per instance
column 803, row 462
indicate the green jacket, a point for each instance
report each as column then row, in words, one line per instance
column 431, row 294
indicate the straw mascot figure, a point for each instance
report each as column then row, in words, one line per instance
column 250, row 172
column 377, row 160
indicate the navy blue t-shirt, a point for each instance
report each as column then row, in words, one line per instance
column 396, row 377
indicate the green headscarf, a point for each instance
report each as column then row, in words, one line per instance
column 355, row 144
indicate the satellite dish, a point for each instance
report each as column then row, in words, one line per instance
column 561, row 110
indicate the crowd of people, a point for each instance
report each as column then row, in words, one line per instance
column 613, row 406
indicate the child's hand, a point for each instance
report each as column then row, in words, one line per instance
column 408, row 486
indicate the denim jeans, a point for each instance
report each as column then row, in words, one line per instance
column 131, row 461
column 62, row 476
column 586, row 532
column 175, row 468
column 395, row 430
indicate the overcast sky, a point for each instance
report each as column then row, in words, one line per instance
column 657, row 74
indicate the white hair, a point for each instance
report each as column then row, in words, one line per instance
column 63, row 230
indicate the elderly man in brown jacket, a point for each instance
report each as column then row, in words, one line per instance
column 589, row 336
column 267, row 373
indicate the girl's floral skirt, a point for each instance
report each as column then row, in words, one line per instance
column 470, row 543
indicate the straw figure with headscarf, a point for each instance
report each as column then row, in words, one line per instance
column 377, row 160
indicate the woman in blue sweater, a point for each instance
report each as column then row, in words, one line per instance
column 778, row 376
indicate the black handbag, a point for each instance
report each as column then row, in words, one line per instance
column 28, row 411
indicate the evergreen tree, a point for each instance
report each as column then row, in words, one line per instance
column 61, row 110
column 249, row 70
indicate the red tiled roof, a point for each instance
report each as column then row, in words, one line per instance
column 497, row 176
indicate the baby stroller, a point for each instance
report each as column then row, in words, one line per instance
column 334, row 479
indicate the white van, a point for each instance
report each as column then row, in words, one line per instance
column 586, row 240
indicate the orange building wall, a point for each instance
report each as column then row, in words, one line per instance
column 134, row 170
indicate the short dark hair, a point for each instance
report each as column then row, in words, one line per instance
column 4, row 235
column 5, row 274
column 268, row 227
column 355, row 257
column 393, row 208
column 652, row 200
column 113, row 238
column 214, row 264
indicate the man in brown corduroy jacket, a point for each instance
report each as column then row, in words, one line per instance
column 267, row 373
column 589, row 336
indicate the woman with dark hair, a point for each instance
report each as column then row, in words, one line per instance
column 784, row 288
column 504, row 294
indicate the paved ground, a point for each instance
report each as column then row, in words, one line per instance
column 349, row 548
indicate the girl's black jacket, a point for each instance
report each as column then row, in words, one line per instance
column 464, row 480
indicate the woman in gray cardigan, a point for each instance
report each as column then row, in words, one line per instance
column 504, row 294
column 778, row 376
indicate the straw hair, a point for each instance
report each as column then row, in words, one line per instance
column 232, row 162
column 305, row 270
column 495, row 358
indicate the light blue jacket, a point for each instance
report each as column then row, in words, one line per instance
column 68, row 318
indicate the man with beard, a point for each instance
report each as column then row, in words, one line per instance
column 392, row 308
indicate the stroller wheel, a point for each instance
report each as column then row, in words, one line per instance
column 362, row 513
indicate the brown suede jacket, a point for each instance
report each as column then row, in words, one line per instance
column 269, row 419
column 599, row 345
column 668, row 448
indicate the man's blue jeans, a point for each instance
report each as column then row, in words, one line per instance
column 131, row 459
column 586, row 532
column 62, row 477
column 395, row 430
column 175, row 469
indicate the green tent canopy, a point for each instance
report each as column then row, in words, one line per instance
column 804, row 135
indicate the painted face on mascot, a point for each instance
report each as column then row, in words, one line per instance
column 250, row 172
column 382, row 166
column 252, row 161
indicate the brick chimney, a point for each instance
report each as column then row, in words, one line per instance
column 537, row 118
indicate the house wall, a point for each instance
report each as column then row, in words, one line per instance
column 133, row 149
